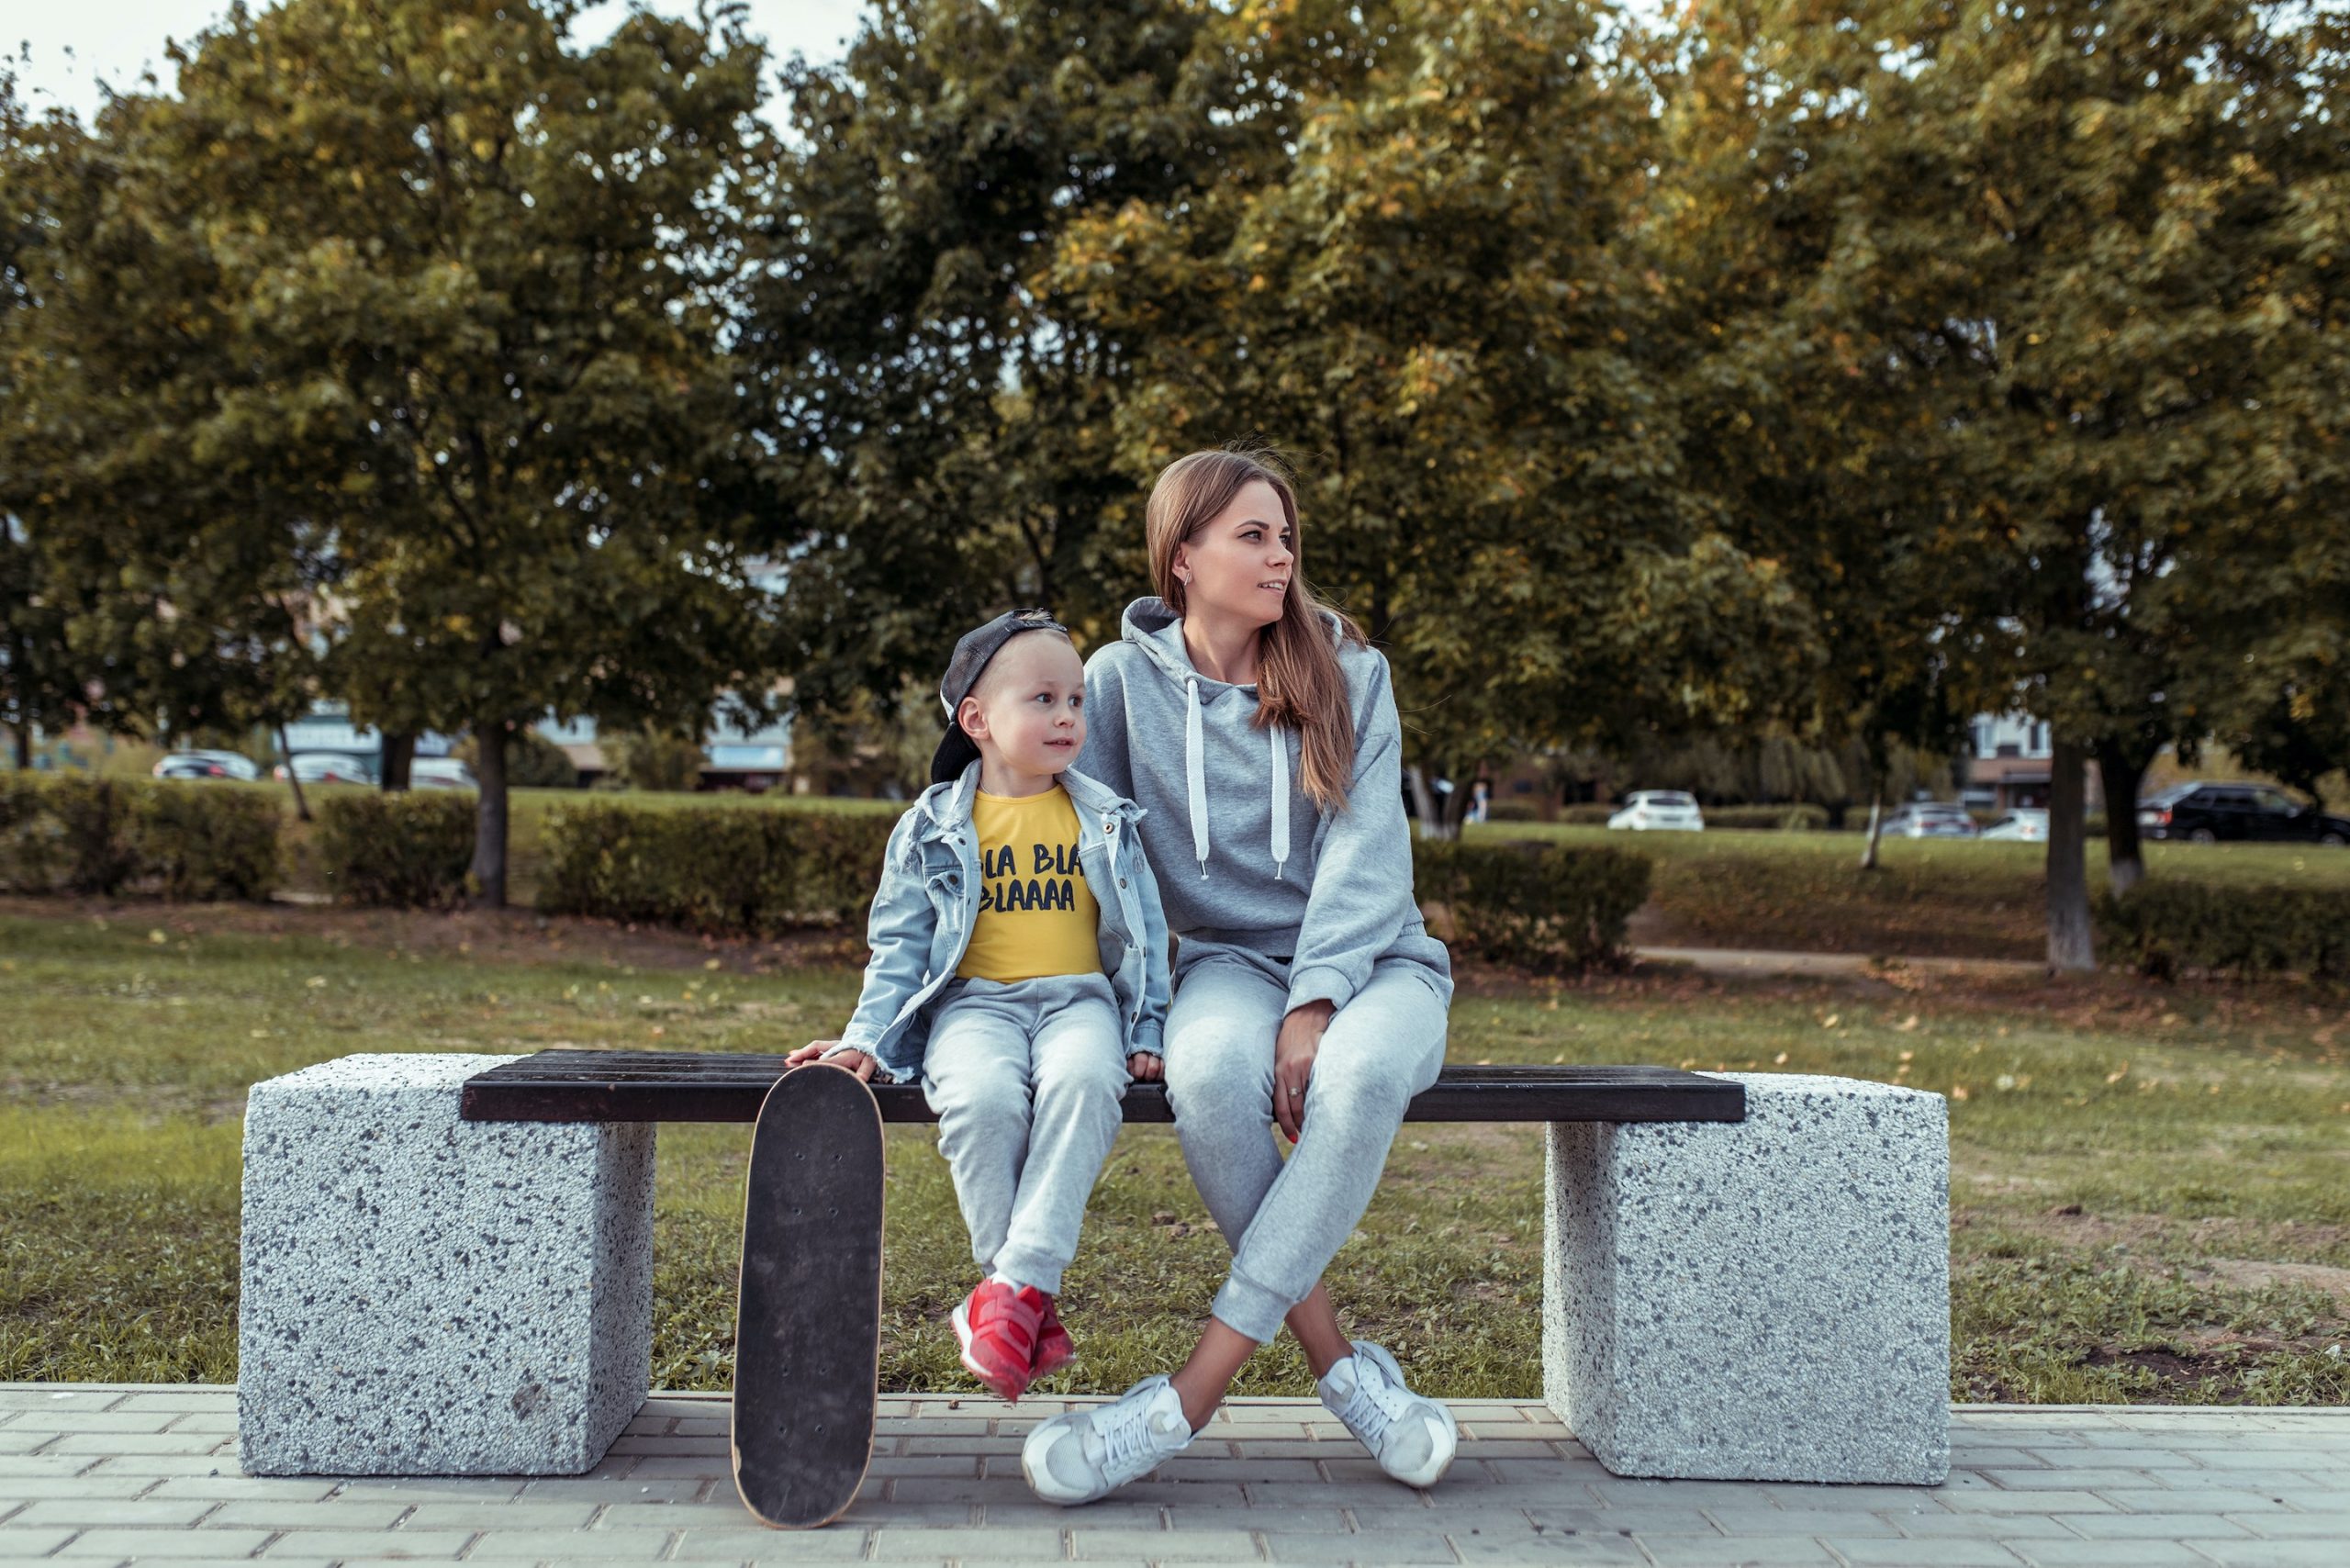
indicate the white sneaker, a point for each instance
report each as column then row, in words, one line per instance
column 1412, row 1437
column 1084, row 1454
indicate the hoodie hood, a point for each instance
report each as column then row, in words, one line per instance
column 1153, row 627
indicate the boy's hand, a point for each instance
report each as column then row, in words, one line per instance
column 1145, row 1068
column 858, row 1062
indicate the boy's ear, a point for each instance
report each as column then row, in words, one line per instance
column 972, row 718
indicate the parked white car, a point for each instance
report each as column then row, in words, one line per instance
column 2024, row 822
column 441, row 773
column 1929, row 818
column 330, row 767
column 207, row 765
column 1659, row 811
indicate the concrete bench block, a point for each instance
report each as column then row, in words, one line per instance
column 429, row 1296
column 1765, row 1299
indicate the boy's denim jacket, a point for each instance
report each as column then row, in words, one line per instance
column 930, row 895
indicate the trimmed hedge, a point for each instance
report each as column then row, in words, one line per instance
column 412, row 850
column 720, row 870
column 2166, row 928
column 74, row 833
column 729, row 871
column 1546, row 907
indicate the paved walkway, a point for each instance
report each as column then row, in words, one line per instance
column 94, row 1473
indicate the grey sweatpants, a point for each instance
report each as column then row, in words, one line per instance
column 1025, row 1077
column 1286, row 1219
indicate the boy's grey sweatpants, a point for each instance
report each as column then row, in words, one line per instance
column 1026, row 1077
column 1285, row 1220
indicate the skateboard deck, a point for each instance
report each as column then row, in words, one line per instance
column 808, row 1317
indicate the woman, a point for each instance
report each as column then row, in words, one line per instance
column 1257, row 728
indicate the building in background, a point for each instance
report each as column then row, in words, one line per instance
column 2010, row 763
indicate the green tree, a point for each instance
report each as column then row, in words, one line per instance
column 1436, row 305
column 654, row 760
column 451, row 292
column 2096, row 245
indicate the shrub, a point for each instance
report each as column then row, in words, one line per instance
column 654, row 760
column 205, row 841
column 2166, row 928
column 1800, row 816
column 736, row 870
column 75, row 832
column 412, row 850
column 1554, row 907
column 1511, row 809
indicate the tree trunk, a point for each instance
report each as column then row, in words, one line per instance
column 1434, row 812
column 489, row 820
column 1876, row 829
column 292, row 780
column 399, row 752
column 2120, row 772
column 2072, row 945
column 24, row 748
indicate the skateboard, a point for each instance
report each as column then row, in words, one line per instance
column 807, row 1318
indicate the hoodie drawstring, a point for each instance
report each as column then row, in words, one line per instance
column 1281, row 799
column 1195, row 781
column 1195, row 773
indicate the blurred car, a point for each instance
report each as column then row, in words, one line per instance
column 330, row 767
column 441, row 773
column 1929, row 818
column 2025, row 823
column 206, row 765
column 1659, row 811
column 2204, row 812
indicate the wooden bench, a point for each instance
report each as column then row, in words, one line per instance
column 448, row 1259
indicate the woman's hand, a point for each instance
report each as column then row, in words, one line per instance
column 1145, row 1068
column 858, row 1062
column 1293, row 1051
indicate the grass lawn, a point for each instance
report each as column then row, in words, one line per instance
column 1943, row 898
column 2151, row 1196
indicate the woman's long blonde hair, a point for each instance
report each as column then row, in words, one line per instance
column 1299, row 684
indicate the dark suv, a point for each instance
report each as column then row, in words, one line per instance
column 2205, row 813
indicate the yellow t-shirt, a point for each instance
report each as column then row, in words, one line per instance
column 1036, row 915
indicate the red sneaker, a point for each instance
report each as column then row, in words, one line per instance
column 1053, row 1349
column 997, row 1327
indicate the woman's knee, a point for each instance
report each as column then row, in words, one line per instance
column 988, row 1110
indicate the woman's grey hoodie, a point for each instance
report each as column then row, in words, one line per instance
column 1242, row 854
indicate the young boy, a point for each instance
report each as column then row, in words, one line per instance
column 1020, row 968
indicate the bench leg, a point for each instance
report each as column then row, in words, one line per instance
column 1765, row 1299
column 423, row 1295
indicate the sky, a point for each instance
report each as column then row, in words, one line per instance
column 60, row 53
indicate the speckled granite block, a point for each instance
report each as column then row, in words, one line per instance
column 428, row 1296
column 1765, row 1299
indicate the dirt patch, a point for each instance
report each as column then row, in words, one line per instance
column 2207, row 1241
column 2249, row 1273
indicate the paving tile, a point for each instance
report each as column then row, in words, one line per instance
column 1032, row 1542
column 1387, row 1546
column 1739, row 1521
column 434, row 1488
column 118, row 1545
column 93, row 1513
column 1297, row 1521
column 752, row 1543
column 47, row 1396
column 1166, row 1546
column 244, row 1488
column 1642, row 1519
column 334, row 1512
column 616, row 1489
column 2068, row 1479
column 1546, row 1547
column 69, row 1419
column 2297, row 1527
column 2110, row 1554
column 582, row 1546
column 2195, row 1500
column 2270, row 1553
column 66, row 1485
column 1959, row 1554
column 13, row 1441
column 21, row 1469
column 477, row 1515
column 1759, row 1551
column 2148, row 1526
column 437, row 1545
column 24, row 1545
column 109, row 1443
column 2048, row 1502
column 1944, row 1526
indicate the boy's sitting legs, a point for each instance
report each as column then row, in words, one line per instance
column 1026, row 1077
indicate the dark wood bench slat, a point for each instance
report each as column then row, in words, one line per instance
column 685, row 1086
